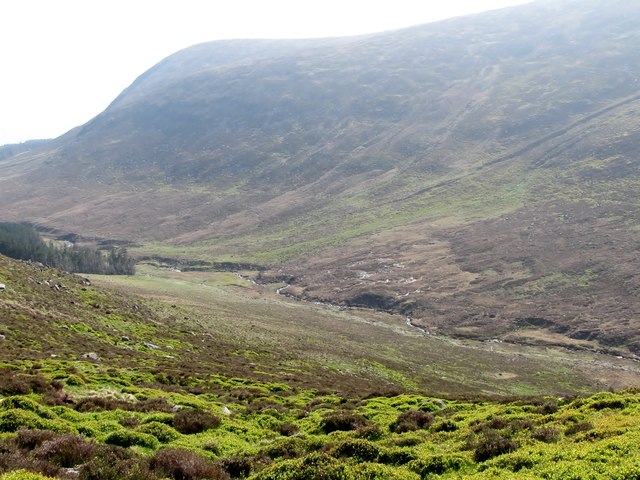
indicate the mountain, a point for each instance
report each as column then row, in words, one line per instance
column 478, row 174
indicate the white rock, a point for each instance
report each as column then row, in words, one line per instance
column 90, row 356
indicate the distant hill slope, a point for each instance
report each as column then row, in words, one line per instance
column 479, row 174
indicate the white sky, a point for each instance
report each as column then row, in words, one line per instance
column 63, row 61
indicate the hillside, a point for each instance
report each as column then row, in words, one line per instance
column 479, row 175
column 102, row 383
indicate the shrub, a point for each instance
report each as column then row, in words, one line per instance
column 180, row 464
column 411, row 421
column 15, row 419
column 289, row 448
column 30, row 439
column 129, row 421
column 370, row 432
column 578, row 427
column 27, row 404
column 74, row 380
column 315, row 466
column 164, row 433
column 396, row 456
column 516, row 462
column 358, row 449
column 159, row 417
column 287, row 429
column 445, row 426
column 213, row 447
column 65, row 450
column 342, row 422
column 438, row 465
column 17, row 460
column 374, row 471
column 548, row 407
column 93, row 404
column 546, row 434
column 21, row 384
column 194, row 421
column 613, row 403
column 407, row 441
column 156, row 404
column 127, row 438
column 23, row 475
column 492, row 444
column 116, row 463
column 235, row 466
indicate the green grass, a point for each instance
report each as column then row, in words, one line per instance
column 539, row 430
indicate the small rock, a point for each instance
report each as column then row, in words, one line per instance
column 176, row 408
column 226, row 411
column 2, row 337
column 151, row 346
column 3, row 286
column 53, row 355
column 124, row 338
column 90, row 356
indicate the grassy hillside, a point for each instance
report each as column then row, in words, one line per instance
column 166, row 377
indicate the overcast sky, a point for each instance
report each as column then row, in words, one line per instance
column 63, row 61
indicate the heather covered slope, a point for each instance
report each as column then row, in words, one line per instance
column 478, row 174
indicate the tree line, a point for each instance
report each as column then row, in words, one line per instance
column 22, row 241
